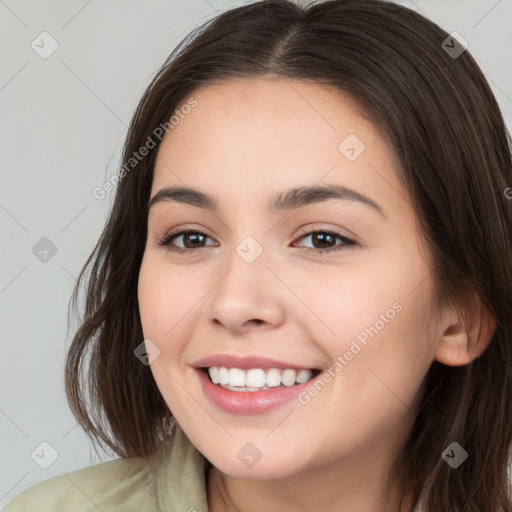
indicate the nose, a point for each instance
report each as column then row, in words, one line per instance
column 247, row 296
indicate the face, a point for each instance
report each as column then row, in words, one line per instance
column 336, row 284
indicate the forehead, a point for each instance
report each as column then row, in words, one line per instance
column 258, row 135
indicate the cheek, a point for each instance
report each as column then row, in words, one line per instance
column 164, row 301
column 346, row 301
column 377, row 318
column 380, row 350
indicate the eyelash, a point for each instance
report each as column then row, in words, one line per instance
column 166, row 240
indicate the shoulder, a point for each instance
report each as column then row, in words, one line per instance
column 117, row 485
column 173, row 478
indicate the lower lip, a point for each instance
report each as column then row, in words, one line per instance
column 249, row 402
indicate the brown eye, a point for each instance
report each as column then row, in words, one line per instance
column 191, row 240
column 325, row 241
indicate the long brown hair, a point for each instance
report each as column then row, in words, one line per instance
column 453, row 152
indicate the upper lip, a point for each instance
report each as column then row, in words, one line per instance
column 232, row 361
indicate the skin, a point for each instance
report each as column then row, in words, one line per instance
column 244, row 141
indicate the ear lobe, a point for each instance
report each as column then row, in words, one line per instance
column 465, row 339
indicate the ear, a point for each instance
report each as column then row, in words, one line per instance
column 465, row 336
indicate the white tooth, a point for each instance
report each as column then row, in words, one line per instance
column 236, row 377
column 255, row 378
column 273, row 378
column 288, row 377
column 214, row 374
column 304, row 376
column 223, row 376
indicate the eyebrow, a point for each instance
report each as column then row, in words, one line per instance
column 282, row 201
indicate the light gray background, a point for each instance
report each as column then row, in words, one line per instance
column 63, row 122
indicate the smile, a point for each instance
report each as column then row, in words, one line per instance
column 244, row 400
column 258, row 379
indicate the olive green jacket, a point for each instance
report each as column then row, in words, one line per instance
column 172, row 480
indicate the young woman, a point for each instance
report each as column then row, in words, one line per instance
column 301, row 299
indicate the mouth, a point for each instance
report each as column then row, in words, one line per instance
column 257, row 379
